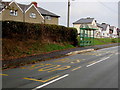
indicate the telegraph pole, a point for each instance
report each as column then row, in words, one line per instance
column 68, row 19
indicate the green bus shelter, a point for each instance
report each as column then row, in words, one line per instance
column 87, row 35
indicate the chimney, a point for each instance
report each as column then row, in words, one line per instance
column 88, row 17
column 35, row 3
column 103, row 23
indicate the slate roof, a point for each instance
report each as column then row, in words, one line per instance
column 0, row 9
column 84, row 21
column 104, row 26
column 45, row 12
column 3, row 4
column 25, row 7
column 99, row 25
column 112, row 27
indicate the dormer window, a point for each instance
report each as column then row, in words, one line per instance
column 13, row 12
column 48, row 17
column 32, row 15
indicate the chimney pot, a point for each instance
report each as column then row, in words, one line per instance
column 35, row 3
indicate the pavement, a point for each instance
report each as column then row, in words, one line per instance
column 95, row 69
column 51, row 55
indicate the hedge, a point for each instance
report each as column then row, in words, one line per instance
column 24, row 31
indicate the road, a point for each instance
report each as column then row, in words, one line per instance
column 96, row 69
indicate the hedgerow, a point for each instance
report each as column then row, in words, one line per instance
column 42, row 32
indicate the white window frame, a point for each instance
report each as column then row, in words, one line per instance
column 13, row 13
column 32, row 15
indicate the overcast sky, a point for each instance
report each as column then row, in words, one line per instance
column 102, row 10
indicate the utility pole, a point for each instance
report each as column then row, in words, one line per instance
column 68, row 19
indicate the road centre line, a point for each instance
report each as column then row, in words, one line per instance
column 4, row 74
column 42, row 80
column 97, row 61
column 50, row 82
column 76, row 68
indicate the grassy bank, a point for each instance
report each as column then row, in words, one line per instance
column 26, row 39
column 13, row 49
column 102, row 41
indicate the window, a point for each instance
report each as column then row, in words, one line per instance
column 48, row 17
column 32, row 15
column 13, row 12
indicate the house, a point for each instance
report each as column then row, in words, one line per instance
column 118, row 32
column 105, row 30
column 98, row 32
column 12, row 11
column 90, row 22
column 113, row 32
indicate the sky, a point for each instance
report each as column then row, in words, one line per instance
column 104, row 11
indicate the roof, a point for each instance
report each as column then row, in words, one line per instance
column 25, row 7
column 99, row 25
column 0, row 9
column 112, row 27
column 3, row 4
column 88, row 27
column 46, row 13
column 84, row 21
column 104, row 26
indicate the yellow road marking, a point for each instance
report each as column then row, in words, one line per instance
column 62, row 68
column 77, row 61
column 76, row 68
column 48, row 68
column 83, row 59
column 91, row 62
column 110, row 55
column 4, row 74
column 42, row 80
column 40, row 65
column 61, row 60
column 96, row 54
column 23, row 67
column 36, row 66
column 33, row 66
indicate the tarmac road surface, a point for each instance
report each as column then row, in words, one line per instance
column 96, row 69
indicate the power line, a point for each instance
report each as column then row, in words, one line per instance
column 110, row 9
column 107, row 7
